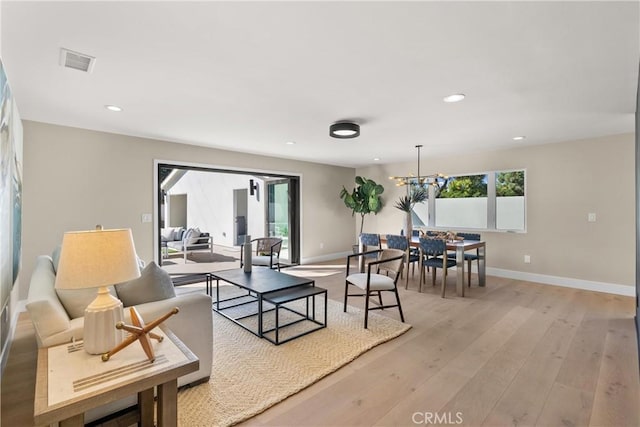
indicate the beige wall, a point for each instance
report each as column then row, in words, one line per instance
column 75, row 179
column 565, row 182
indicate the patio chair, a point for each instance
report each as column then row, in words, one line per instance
column 267, row 252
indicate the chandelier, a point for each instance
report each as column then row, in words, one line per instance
column 420, row 180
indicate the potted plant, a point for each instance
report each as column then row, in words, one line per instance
column 364, row 199
column 407, row 202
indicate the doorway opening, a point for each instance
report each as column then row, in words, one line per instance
column 218, row 208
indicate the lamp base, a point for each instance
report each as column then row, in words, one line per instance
column 100, row 318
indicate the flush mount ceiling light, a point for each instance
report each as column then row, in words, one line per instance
column 113, row 108
column 343, row 130
column 290, row 143
column 518, row 138
column 456, row 97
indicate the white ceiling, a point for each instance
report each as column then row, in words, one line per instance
column 250, row 76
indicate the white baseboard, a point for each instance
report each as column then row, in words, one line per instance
column 567, row 282
column 20, row 307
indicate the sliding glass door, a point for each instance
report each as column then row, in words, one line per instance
column 281, row 215
column 227, row 205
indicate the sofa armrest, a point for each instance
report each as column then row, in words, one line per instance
column 192, row 325
column 45, row 309
column 48, row 319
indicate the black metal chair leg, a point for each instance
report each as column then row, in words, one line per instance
column 366, row 309
column 399, row 305
column 346, row 292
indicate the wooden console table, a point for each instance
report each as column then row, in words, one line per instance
column 69, row 381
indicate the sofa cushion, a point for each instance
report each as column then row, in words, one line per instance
column 192, row 236
column 204, row 238
column 76, row 300
column 154, row 284
column 168, row 234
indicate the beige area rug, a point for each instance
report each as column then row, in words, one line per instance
column 250, row 374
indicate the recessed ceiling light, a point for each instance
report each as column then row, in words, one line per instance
column 456, row 97
column 113, row 108
column 376, row 159
column 290, row 143
column 519, row 138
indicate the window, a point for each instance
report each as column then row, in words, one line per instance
column 510, row 200
column 462, row 202
column 485, row 201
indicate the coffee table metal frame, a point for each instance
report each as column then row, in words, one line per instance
column 274, row 287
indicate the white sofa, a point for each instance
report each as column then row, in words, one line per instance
column 54, row 325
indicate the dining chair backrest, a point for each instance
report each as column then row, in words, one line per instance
column 393, row 266
column 432, row 247
column 469, row 236
column 369, row 239
column 414, row 233
column 397, row 242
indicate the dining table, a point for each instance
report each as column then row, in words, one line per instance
column 460, row 247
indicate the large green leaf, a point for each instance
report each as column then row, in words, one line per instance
column 365, row 197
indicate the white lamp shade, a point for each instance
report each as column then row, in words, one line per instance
column 90, row 259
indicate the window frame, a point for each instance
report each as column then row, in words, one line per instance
column 491, row 203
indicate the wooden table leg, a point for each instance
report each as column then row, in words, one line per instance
column 168, row 404
column 460, row 270
column 482, row 265
column 75, row 421
column 145, row 406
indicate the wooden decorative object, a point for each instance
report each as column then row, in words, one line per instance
column 139, row 331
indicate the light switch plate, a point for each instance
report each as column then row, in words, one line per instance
column 147, row 217
column 591, row 217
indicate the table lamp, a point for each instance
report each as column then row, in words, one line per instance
column 97, row 259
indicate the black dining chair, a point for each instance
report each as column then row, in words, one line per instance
column 434, row 254
column 468, row 256
column 390, row 262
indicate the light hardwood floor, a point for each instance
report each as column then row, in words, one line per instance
column 512, row 353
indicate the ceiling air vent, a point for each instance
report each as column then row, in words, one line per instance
column 76, row 60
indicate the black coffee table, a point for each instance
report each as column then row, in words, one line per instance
column 266, row 285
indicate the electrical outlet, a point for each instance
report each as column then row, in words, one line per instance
column 527, row 259
column 591, row 217
column 147, row 217
column 321, row 245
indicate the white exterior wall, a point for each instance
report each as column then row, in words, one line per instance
column 210, row 204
